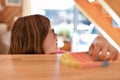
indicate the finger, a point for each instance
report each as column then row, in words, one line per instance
column 97, row 49
column 103, row 54
column 113, row 53
column 108, row 56
column 115, row 57
column 91, row 48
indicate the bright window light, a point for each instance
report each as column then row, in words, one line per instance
column 51, row 4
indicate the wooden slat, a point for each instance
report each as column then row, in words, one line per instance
column 114, row 4
column 112, row 7
column 8, row 14
column 103, row 24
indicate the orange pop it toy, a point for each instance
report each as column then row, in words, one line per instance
column 80, row 60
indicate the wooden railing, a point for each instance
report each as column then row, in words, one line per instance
column 103, row 23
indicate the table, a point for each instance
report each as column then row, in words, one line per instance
column 48, row 67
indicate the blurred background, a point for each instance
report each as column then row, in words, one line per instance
column 75, row 31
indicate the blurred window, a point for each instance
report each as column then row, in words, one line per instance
column 65, row 18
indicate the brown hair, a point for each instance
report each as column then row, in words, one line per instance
column 28, row 34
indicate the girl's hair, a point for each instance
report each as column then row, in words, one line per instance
column 28, row 34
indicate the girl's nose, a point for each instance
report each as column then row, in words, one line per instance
column 56, row 35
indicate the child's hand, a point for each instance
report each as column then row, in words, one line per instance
column 101, row 49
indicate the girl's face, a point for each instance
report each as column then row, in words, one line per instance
column 50, row 43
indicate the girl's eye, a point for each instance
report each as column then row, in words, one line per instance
column 53, row 31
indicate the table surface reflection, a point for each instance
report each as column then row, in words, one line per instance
column 48, row 67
